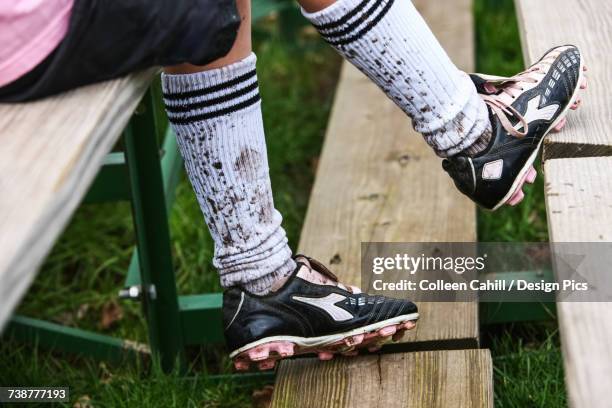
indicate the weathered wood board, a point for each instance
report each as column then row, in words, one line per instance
column 379, row 181
column 579, row 203
column 457, row 378
column 578, row 184
column 50, row 152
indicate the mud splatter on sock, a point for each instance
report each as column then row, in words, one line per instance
column 389, row 41
column 216, row 116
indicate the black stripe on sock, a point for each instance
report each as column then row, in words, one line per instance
column 356, row 23
column 214, row 101
column 172, row 96
column 343, row 19
column 210, row 115
column 365, row 29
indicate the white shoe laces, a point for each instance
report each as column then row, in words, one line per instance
column 513, row 86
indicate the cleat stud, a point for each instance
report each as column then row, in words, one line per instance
column 266, row 364
column 259, row 353
column 531, row 175
column 241, row 365
column 358, row 339
column 516, row 198
column 374, row 349
column 410, row 325
column 325, row 355
column 387, row 331
column 351, row 353
column 285, row 349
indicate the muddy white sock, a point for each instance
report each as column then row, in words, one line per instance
column 480, row 143
column 389, row 41
column 216, row 116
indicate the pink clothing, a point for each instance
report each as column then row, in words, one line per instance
column 29, row 31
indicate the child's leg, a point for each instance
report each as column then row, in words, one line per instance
column 389, row 41
column 489, row 157
column 216, row 113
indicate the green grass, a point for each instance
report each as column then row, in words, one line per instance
column 527, row 366
column 96, row 384
column 80, row 278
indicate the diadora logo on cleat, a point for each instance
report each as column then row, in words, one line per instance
column 534, row 112
column 493, row 170
column 328, row 305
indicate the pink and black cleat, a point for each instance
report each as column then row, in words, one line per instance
column 523, row 109
column 311, row 313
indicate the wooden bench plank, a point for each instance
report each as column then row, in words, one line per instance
column 378, row 181
column 580, row 210
column 588, row 25
column 458, row 379
column 51, row 152
column 578, row 190
column 579, row 199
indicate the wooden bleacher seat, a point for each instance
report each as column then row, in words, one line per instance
column 456, row 378
column 577, row 168
column 378, row 181
column 50, row 152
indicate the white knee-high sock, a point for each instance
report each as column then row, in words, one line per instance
column 389, row 41
column 216, row 116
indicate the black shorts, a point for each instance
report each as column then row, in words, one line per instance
column 109, row 38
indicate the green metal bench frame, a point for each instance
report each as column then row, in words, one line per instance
column 173, row 321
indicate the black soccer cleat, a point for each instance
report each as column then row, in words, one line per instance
column 523, row 109
column 310, row 313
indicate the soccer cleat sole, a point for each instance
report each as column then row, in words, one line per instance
column 530, row 175
column 264, row 356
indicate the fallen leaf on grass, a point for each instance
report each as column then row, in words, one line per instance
column 105, row 375
column 111, row 313
column 82, row 311
column 83, row 402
